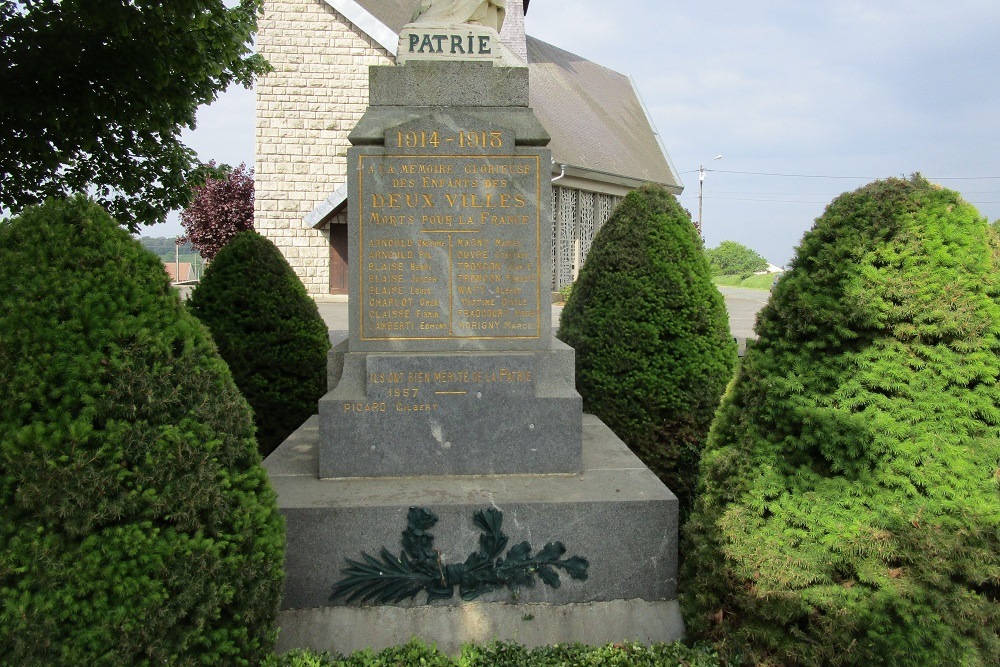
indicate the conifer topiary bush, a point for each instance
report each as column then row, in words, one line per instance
column 269, row 332
column 416, row 653
column 137, row 526
column 651, row 334
column 850, row 509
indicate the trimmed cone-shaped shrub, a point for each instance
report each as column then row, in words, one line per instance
column 651, row 334
column 269, row 332
column 850, row 509
column 137, row 526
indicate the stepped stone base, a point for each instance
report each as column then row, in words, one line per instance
column 617, row 514
column 349, row 629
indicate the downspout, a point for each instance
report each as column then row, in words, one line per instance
column 558, row 228
column 562, row 173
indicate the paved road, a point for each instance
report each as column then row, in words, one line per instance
column 742, row 305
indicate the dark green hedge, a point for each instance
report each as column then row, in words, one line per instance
column 269, row 332
column 137, row 526
column 651, row 334
column 502, row 654
column 850, row 510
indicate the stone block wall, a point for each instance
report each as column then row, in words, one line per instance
column 305, row 109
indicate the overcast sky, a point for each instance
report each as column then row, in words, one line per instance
column 822, row 96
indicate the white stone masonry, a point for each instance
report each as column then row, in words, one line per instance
column 305, row 109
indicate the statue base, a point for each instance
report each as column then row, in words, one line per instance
column 426, row 41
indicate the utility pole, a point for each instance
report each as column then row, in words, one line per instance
column 701, row 192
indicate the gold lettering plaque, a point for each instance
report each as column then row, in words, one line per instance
column 449, row 229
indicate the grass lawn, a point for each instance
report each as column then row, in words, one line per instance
column 761, row 282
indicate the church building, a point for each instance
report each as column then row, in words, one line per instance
column 603, row 143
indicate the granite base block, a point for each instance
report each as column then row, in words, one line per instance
column 348, row 629
column 459, row 413
column 617, row 514
column 448, row 84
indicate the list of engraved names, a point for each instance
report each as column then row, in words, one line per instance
column 450, row 244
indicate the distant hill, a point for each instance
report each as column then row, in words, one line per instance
column 164, row 246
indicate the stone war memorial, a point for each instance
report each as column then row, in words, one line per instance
column 450, row 487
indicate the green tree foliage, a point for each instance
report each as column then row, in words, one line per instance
column 731, row 258
column 850, row 508
column 97, row 92
column 137, row 526
column 651, row 334
column 269, row 332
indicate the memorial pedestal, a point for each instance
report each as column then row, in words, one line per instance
column 451, row 413
column 616, row 513
column 451, row 395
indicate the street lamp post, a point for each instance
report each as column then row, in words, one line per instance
column 701, row 191
column 177, row 257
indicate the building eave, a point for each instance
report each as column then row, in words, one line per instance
column 659, row 137
column 578, row 173
column 386, row 37
column 331, row 206
column 592, row 179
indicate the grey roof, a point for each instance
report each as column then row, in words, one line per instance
column 595, row 116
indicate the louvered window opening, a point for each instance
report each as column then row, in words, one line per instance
column 577, row 216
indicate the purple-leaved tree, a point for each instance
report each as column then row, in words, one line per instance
column 222, row 208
